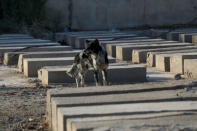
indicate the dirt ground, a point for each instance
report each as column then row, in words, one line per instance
column 22, row 100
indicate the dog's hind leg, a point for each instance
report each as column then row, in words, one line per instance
column 104, row 74
column 96, row 77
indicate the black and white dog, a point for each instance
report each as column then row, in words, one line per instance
column 94, row 56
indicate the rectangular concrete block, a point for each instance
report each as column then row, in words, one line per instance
column 7, row 49
column 111, row 46
column 190, row 70
column 104, row 90
column 66, row 113
column 121, row 40
column 125, row 52
column 30, row 44
column 16, row 50
column 158, row 33
column 185, row 37
column 151, row 60
column 15, row 37
column 194, row 39
column 177, row 62
column 80, row 41
column 12, row 58
column 130, row 122
column 175, row 35
column 32, row 65
column 143, row 97
column 71, row 37
column 58, row 75
column 163, row 62
column 116, row 74
column 25, row 41
column 140, row 55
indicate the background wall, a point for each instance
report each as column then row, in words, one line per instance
column 108, row 14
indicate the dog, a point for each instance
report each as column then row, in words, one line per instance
column 79, row 68
column 94, row 56
column 98, row 58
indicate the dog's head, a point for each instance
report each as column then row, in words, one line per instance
column 93, row 47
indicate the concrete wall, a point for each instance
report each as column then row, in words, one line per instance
column 108, row 14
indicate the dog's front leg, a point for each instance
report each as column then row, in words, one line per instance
column 82, row 81
column 77, row 81
column 104, row 75
column 96, row 77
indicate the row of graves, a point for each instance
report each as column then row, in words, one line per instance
column 133, row 100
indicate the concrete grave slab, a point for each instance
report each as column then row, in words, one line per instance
column 140, row 55
column 192, row 38
column 190, row 68
column 67, row 113
column 146, row 97
column 30, row 44
column 25, row 41
column 177, row 62
column 125, row 52
column 163, row 62
column 106, row 41
column 158, row 33
column 116, row 89
column 15, row 37
column 175, row 34
column 71, row 38
column 186, row 37
column 80, row 41
column 120, row 74
column 16, row 58
column 130, row 122
column 129, row 40
column 32, row 65
column 111, row 47
column 150, row 61
column 46, row 54
column 35, row 49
